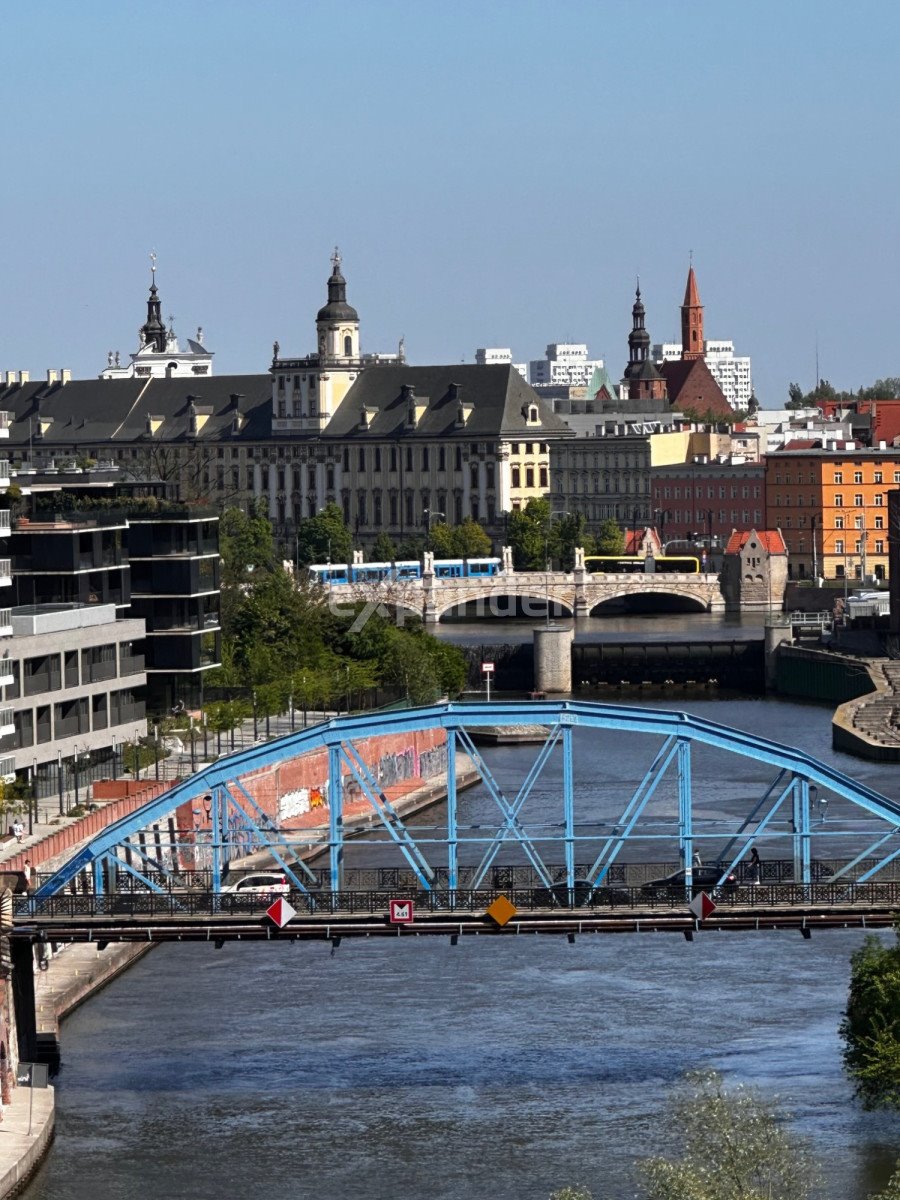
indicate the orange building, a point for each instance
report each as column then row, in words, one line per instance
column 831, row 507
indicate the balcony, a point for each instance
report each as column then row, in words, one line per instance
column 5, row 567
column 7, row 674
column 5, row 529
column 132, row 664
column 5, row 421
column 7, row 721
column 6, row 622
column 4, row 472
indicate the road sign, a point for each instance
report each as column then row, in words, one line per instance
column 400, row 912
column 702, row 906
column 487, row 667
column 32, row 1075
column 281, row 912
column 501, row 911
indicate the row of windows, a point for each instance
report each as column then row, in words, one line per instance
column 858, row 546
column 529, row 474
column 858, row 477
column 799, row 501
column 725, row 492
column 700, row 518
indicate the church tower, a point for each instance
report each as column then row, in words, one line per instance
column 691, row 320
column 337, row 322
column 641, row 381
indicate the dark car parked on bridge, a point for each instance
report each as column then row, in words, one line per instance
column 703, row 879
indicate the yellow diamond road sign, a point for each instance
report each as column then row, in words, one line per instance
column 501, row 911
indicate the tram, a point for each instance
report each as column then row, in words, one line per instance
column 444, row 568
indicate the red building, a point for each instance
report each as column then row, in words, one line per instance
column 706, row 502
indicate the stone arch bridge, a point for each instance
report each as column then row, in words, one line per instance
column 578, row 593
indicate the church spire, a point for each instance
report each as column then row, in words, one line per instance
column 691, row 320
column 154, row 331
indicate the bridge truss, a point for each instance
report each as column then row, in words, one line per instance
column 701, row 790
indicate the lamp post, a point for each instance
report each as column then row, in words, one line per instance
column 137, row 754
column 193, row 756
column 75, row 773
column 59, row 781
column 156, row 749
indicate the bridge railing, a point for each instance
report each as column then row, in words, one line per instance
column 399, row 880
column 176, row 907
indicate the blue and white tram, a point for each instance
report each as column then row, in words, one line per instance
column 449, row 568
column 370, row 572
column 407, row 570
column 477, row 567
column 326, row 573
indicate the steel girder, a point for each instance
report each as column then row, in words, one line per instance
column 237, row 820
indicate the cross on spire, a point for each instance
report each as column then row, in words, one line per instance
column 336, row 259
column 153, row 265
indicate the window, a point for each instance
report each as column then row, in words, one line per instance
column 897, row 477
column 839, row 522
column 442, row 458
column 376, row 507
column 857, row 522
column 857, row 499
column 458, row 463
column 361, row 508
column 879, row 546
column 839, row 545
column 490, row 475
column 879, row 500
column 394, row 462
column 408, row 504
column 362, row 458
column 879, row 522
column 346, row 458
column 426, row 458
column 394, row 508
column 348, row 346
column 473, row 476
column 329, row 477
column 839, row 477
column 857, row 476
column 879, row 477
column 515, row 477
column 529, row 477
column 838, row 500
column 544, row 478
column 409, row 458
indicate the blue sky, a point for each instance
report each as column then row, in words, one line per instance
column 495, row 174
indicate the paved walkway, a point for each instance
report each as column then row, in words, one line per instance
column 25, row 1134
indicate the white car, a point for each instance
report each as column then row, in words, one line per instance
column 263, row 883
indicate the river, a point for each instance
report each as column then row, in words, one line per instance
column 419, row 1071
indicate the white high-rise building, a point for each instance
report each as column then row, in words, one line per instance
column 565, row 364
column 731, row 373
column 498, row 356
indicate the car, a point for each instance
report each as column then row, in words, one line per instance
column 262, row 883
column 703, row 879
column 582, row 894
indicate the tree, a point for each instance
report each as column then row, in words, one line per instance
column 732, row 1146
column 384, row 549
column 796, row 399
column 571, row 1193
column 871, row 1025
column 530, row 535
column 892, row 1191
column 324, row 537
column 570, row 532
column 610, row 539
column 468, row 540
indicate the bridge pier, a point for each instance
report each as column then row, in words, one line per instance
column 553, row 658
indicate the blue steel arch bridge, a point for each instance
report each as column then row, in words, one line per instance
column 566, row 853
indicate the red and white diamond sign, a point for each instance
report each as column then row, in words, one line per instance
column 281, row 912
column 702, row 906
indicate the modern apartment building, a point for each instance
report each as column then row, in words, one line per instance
column 564, row 364
column 76, row 688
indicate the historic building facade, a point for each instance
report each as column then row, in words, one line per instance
column 395, row 446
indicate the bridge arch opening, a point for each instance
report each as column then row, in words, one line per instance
column 505, row 606
column 648, row 602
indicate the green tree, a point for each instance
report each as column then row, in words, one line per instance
column 732, row 1146
column 383, row 549
column 871, row 1025
column 610, row 539
column 470, row 540
column 892, row 1191
column 441, row 541
column 572, row 1193
column 245, row 544
column 570, row 532
column 324, row 538
column 530, row 535
column 796, row 399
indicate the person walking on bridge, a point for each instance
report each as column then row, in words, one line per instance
column 754, row 866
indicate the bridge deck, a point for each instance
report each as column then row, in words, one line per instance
column 206, row 917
